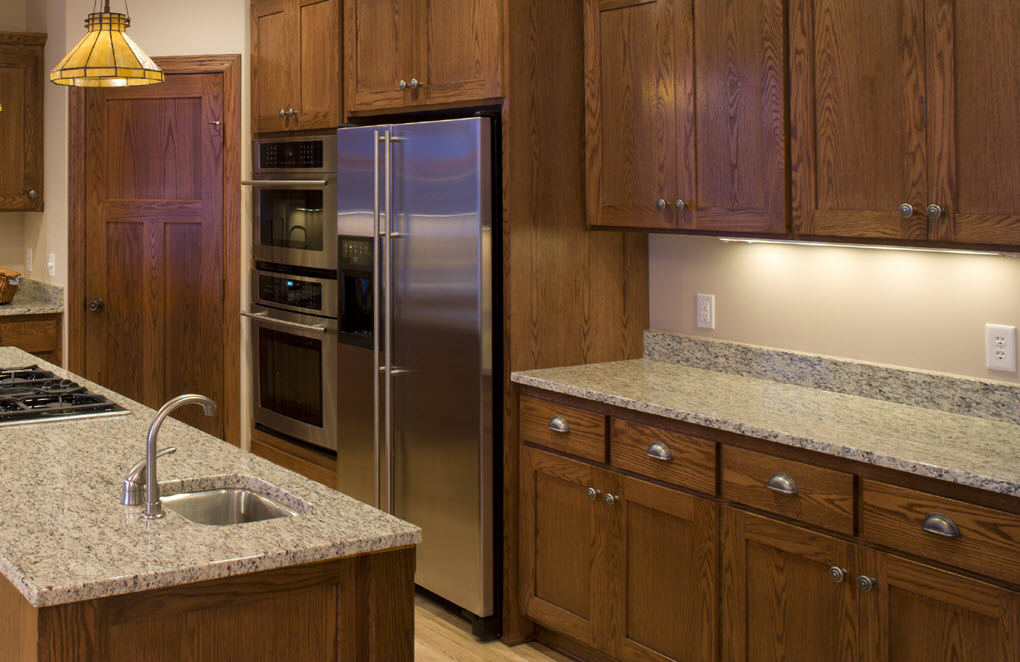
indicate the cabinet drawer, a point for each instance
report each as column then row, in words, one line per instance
column 988, row 542
column 564, row 428
column 30, row 335
column 823, row 497
column 668, row 456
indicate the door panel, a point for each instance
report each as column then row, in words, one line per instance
column 319, row 28
column 458, row 54
column 379, row 40
column 154, row 227
column 275, row 65
column 858, row 143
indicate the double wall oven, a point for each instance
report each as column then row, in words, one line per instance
column 294, row 295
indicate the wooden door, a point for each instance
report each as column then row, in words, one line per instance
column 638, row 101
column 665, row 579
column 974, row 80
column 858, row 145
column 561, row 534
column 917, row 612
column 739, row 112
column 21, row 121
column 458, row 55
column 154, row 246
column 779, row 601
column 276, row 59
column 319, row 87
column 379, row 39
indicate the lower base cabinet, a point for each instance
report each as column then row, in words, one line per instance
column 799, row 596
column 618, row 564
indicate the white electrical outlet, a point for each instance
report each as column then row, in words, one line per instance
column 1000, row 347
column 28, row 260
column 705, row 311
column 51, row 265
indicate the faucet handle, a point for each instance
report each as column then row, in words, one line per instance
column 135, row 478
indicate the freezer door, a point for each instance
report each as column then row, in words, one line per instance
column 441, row 375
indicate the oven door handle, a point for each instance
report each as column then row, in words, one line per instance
column 264, row 317
column 285, row 182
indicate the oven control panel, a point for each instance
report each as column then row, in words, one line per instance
column 299, row 154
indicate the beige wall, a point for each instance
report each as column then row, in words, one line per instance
column 919, row 310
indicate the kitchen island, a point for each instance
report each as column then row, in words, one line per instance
column 85, row 579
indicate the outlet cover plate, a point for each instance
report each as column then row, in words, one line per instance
column 1000, row 347
column 704, row 311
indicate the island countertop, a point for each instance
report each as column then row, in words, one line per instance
column 64, row 537
column 938, row 444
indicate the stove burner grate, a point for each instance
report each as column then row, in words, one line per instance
column 30, row 394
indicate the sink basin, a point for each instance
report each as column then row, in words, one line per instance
column 232, row 505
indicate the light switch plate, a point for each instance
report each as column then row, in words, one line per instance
column 1000, row 347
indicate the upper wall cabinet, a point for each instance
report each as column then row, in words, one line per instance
column 295, row 65
column 904, row 119
column 408, row 53
column 685, row 114
column 21, row 121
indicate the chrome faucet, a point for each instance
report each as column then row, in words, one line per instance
column 134, row 480
column 153, row 507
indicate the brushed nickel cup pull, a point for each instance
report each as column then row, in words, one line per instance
column 940, row 525
column 593, row 494
column 660, row 204
column 658, row 451
column 837, row 574
column 679, row 205
column 866, row 583
column 934, row 211
column 907, row 210
column 780, row 482
column 558, row 424
column 610, row 500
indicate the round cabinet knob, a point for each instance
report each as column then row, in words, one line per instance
column 283, row 113
column 290, row 112
column 593, row 494
column 660, row 204
column 907, row 210
column 934, row 211
column 610, row 499
column 33, row 194
column 866, row 583
column 402, row 85
column 837, row 574
column 415, row 84
column 679, row 205
column 95, row 305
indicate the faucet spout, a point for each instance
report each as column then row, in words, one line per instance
column 153, row 507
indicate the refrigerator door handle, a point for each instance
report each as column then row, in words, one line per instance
column 376, row 320
column 388, row 321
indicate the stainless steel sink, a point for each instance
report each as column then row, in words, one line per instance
column 232, row 505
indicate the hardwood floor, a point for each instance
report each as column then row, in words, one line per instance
column 440, row 636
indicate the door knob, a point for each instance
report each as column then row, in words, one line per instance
column 402, row 85
column 660, row 204
column 610, row 499
column 837, row 574
column 290, row 112
column 907, row 210
column 33, row 194
column 593, row 493
column 95, row 305
column 866, row 583
column 415, row 84
column 934, row 211
column 283, row 113
column 680, row 205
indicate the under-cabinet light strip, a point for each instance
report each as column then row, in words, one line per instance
column 881, row 248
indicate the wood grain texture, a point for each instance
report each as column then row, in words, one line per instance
column 305, row 461
column 19, row 623
column 988, row 542
column 375, row 617
column 379, row 37
column 777, row 600
column 586, row 435
column 275, row 63
column 35, row 334
column 458, row 51
column 921, row 613
column 21, row 122
column 319, row 81
column 692, row 464
column 824, row 497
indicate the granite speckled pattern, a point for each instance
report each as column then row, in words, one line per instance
column 65, row 537
column 35, row 298
column 996, row 401
column 960, row 449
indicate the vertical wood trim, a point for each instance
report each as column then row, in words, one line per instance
column 231, row 250
column 75, row 298
column 802, row 118
column 940, row 65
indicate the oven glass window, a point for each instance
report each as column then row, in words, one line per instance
column 290, row 375
column 290, row 218
column 290, row 292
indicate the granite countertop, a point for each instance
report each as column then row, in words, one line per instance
column 35, row 298
column 64, row 536
column 948, row 446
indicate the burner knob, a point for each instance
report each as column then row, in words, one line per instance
column 95, row 305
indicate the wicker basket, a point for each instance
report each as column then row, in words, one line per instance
column 9, row 283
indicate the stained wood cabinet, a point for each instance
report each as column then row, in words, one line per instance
column 295, row 65
column 903, row 119
column 617, row 563
column 685, row 114
column 21, row 121
column 37, row 334
column 410, row 53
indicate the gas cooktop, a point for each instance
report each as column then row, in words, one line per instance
column 33, row 395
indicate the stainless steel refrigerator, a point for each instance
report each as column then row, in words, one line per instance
column 416, row 410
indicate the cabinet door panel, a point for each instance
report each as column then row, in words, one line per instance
column 669, row 552
column 975, row 74
column 320, row 64
column 558, row 541
column 379, row 38
column 778, row 600
column 857, row 117
column 920, row 613
column 741, row 135
column 635, row 77
column 275, row 65
column 458, row 58
column 21, row 123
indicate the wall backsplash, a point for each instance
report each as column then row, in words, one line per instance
column 919, row 310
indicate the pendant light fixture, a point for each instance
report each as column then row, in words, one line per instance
column 106, row 56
